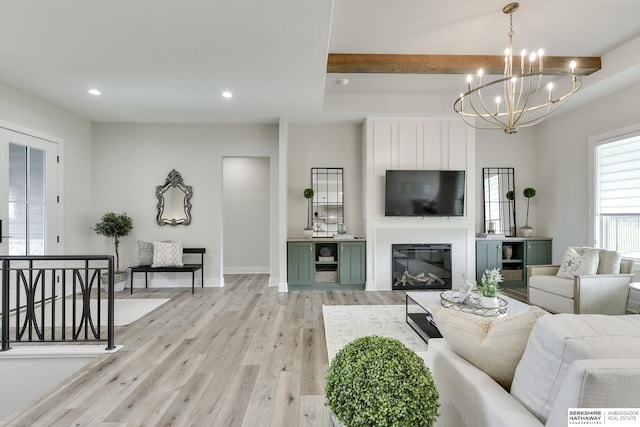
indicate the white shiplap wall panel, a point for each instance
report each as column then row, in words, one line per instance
column 432, row 154
column 409, row 145
column 384, row 146
column 457, row 147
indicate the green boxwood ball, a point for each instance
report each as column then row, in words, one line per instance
column 377, row 381
column 308, row 193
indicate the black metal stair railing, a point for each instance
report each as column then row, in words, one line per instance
column 57, row 299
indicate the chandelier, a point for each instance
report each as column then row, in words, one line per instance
column 519, row 99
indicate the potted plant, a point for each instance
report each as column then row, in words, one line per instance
column 528, row 192
column 308, row 230
column 377, row 381
column 488, row 288
column 117, row 226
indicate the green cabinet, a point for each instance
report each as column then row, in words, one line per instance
column 300, row 266
column 326, row 264
column 351, row 269
column 538, row 252
column 488, row 256
column 511, row 255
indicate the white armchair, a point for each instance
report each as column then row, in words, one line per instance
column 585, row 293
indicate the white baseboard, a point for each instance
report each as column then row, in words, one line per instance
column 247, row 270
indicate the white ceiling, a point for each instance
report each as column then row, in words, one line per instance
column 169, row 61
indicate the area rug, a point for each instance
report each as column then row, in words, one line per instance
column 344, row 323
column 126, row 311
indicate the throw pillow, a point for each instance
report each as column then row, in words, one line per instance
column 167, row 254
column 609, row 262
column 573, row 263
column 494, row 345
column 145, row 253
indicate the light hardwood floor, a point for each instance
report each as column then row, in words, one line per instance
column 242, row 355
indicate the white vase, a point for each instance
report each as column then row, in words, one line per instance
column 489, row 301
column 308, row 233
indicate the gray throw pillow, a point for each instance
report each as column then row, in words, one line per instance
column 145, row 253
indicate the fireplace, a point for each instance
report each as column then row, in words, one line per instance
column 421, row 266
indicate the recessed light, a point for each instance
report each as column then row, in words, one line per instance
column 95, row 92
column 227, row 94
column 343, row 82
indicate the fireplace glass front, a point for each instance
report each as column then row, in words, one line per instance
column 421, row 266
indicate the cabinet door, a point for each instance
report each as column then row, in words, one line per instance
column 488, row 256
column 538, row 252
column 300, row 263
column 351, row 263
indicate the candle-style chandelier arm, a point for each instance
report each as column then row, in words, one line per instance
column 470, row 105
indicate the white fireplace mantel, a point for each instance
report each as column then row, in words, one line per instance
column 416, row 143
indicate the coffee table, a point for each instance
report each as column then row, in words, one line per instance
column 419, row 317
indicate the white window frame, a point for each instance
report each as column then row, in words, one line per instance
column 594, row 142
column 56, row 248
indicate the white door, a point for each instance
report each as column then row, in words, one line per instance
column 28, row 194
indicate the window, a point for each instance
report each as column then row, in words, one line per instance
column 617, row 194
column 26, row 200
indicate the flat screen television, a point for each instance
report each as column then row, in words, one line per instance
column 424, row 193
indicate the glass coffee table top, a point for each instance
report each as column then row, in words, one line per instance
column 419, row 317
column 470, row 303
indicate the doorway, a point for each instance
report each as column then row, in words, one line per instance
column 246, row 201
column 28, row 194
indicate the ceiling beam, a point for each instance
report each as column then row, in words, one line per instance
column 446, row 64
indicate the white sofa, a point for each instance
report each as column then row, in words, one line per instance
column 569, row 361
column 604, row 290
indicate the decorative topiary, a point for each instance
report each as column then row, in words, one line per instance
column 116, row 226
column 376, row 381
column 308, row 194
column 528, row 192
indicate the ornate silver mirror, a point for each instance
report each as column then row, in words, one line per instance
column 499, row 201
column 174, row 201
column 328, row 206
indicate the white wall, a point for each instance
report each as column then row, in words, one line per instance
column 130, row 160
column 497, row 149
column 330, row 145
column 35, row 114
column 29, row 378
column 246, row 219
column 562, row 156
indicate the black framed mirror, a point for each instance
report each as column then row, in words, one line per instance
column 498, row 185
column 174, row 201
column 327, row 203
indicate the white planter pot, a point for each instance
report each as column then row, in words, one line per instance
column 119, row 281
column 308, row 233
column 526, row 232
column 489, row 302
